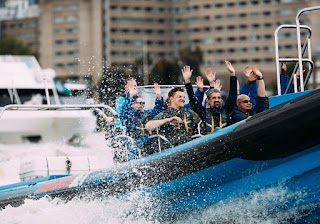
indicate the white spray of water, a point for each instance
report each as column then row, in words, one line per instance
column 258, row 207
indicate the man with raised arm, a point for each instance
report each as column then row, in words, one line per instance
column 215, row 114
column 244, row 103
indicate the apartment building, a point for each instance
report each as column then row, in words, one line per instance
column 71, row 38
column 241, row 31
column 24, row 29
column 78, row 37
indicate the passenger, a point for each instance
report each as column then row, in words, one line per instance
column 214, row 114
column 130, row 91
column 244, row 105
column 176, row 123
column 134, row 116
column 284, row 79
column 250, row 87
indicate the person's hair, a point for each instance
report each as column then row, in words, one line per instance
column 136, row 97
column 174, row 90
column 129, row 79
column 171, row 93
column 212, row 90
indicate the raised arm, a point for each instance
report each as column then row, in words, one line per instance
column 195, row 104
column 232, row 97
column 260, row 80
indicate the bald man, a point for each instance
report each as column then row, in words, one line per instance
column 244, row 104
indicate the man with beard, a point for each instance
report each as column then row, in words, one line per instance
column 215, row 114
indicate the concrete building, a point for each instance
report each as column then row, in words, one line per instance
column 239, row 31
column 24, row 29
column 71, row 38
column 78, row 37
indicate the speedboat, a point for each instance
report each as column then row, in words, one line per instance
column 25, row 91
column 279, row 146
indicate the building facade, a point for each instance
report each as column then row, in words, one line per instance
column 78, row 38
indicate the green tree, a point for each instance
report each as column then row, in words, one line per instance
column 111, row 85
column 193, row 57
column 13, row 46
column 169, row 71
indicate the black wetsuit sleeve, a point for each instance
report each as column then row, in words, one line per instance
column 260, row 106
column 232, row 98
column 196, row 106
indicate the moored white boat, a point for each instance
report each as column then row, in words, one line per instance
column 28, row 97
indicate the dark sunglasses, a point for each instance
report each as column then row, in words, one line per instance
column 141, row 103
column 247, row 101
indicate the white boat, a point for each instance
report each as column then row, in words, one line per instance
column 30, row 108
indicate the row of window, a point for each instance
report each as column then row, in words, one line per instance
column 66, row 41
column 66, row 30
column 210, row 63
column 59, row 8
column 65, row 19
column 27, row 35
column 209, row 40
column 210, row 51
column 189, row 8
column 20, row 25
column 201, row 29
column 66, row 64
column 206, row 18
column 67, row 53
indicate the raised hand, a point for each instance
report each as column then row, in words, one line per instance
column 249, row 74
column 257, row 72
column 298, row 72
column 211, row 77
column 199, row 82
column 217, row 85
column 283, row 67
column 230, row 68
column 157, row 90
column 186, row 73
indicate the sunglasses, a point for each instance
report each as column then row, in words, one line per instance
column 247, row 101
column 141, row 103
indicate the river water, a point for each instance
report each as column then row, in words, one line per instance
column 258, row 207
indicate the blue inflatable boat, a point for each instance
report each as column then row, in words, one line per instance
column 279, row 145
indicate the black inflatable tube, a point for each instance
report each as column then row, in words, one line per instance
column 275, row 133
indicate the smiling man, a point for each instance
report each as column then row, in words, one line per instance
column 176, row 123
column 216, row 114
column 244, row 104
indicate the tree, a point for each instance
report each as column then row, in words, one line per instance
column 193, row 57
column 169, row 71
column 13, row 46
column 111, row 85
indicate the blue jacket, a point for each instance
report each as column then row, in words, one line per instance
column 134, row 121
column 284, row 81
column 238, row 115
column 250, row 90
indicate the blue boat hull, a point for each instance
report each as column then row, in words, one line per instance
column 278, row 146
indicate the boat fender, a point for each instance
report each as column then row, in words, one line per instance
column 68, row 165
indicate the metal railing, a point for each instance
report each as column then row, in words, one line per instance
column 301, row 52
column 95, row 107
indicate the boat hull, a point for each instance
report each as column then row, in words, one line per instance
column 278, row 146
